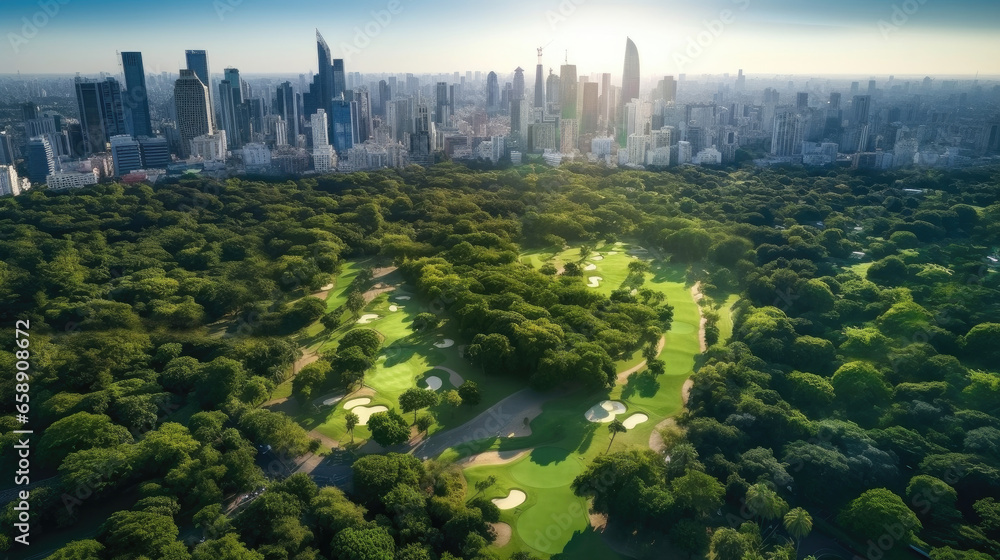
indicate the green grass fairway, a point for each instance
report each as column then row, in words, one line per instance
column 726, row 318
column 552, row 519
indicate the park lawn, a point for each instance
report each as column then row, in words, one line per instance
column 726, row 318
column 861, row 269
column 553, row 519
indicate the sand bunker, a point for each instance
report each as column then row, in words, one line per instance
column 356, row 402
column 402, row 298
column 604, row 411
column 504, row 532
column 446, row 343
column 434, row 383
column 592, row 282
column 597, row 258
column 393, row 308
column 590, row 267
column 365, row 412
column 367, row 318
column 514, row 499
column 635, row 420
column 610, row 253
column 326, row 288
column 453, row 377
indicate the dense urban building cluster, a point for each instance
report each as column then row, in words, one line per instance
column 134, row 126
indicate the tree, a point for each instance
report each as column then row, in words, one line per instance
column 764, row 502
column 78, row 432
column 453, row 398
column 728, row 544
column 485, row 484
column 689, row 536
column 351, row 421
column 351, row 364
column 355, row 303
column 799, row 524
column 137, row 533
column 879, row 510
column 982, row 343
column 615, row 427
column 425, row 322
column 698, row 492
column 469, row 391
column 220, row 379
column 414, row 399
column 80, row 550
column 388, row 428
column 368, row 340
column 425, row 421
column 228, row 547
column 859, row 385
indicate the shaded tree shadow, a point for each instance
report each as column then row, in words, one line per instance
column 644, row 383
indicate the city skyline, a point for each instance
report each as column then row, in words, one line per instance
column 765, row 37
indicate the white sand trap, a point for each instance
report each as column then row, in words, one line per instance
column 590, row 267
column 356, row 402
column 514, row 499
column 393, row 308
column 594, row 282
column 367, row 318
column 434, row 383
column 446, row 343
column 326, row 288
column 597, row 258
column 604, row 411
column 611, row 253
column 618, row 243
column 635, row 420
column 454, row 378
column 402, row 298
column 365, row 412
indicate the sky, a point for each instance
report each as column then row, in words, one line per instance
column 762, row 37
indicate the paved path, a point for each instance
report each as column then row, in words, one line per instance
column 623, row 376
column 489, row 423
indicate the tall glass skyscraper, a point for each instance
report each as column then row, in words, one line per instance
column 630, row 86
column 136, row 98
column 343, row 126
column 539, row 83
column 191, row 101
column 325, row 73
column 197, row 60
column 518, row 83
column 492, row 91
column 101, row 113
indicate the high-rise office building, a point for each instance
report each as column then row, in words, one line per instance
column 362, row 116
column 604, row 101
column 567, row 90
column 668, row 89
column 630, row 86
column 590, row 113
column 41, row 160
column 285, row 107
column 339, row 78
column 441, row 107
column 235, row 114
column 125, row 154
column 539, row 84
column 802, row 100
column 518, row 83
column 325, row 72
column 101, row 112
column 789, row 132
column 136, row 96
column 197, row 61
column 191, row 102
column 155, row 152
column 552, row 88
column 10, row 183
column 861, row 108
column 342, row 136
column 324, row 158
column 29, row 111
column 6, row 148
column 492, row 91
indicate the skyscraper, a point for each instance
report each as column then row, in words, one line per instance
column 668, row 89
column 342, row 125
column 567, row 90
column 125, row 154
column 101, row 112
column 518, row 82
column 136, row 97
column 235, row 117
column 789, row 133
column 604, row 101
column 285, row 107
column 441, row 96
column 6, row 149
column 197, row 60
column 41, row 160
column 325, row 73
column 492, row 92
column 590, row 113
column 552, row 89
column 192, row 104
column 539, row 84
column 630, row 85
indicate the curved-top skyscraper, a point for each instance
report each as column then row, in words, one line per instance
column 630, row 85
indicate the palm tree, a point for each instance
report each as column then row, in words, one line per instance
column 799, row 524
column 764, row 502
column 615, row 427
column 352, row 421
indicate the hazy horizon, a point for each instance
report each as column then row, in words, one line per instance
column 763, row 37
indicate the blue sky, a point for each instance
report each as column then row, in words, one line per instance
column 764, row 37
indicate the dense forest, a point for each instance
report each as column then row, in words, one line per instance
column 858, row 394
